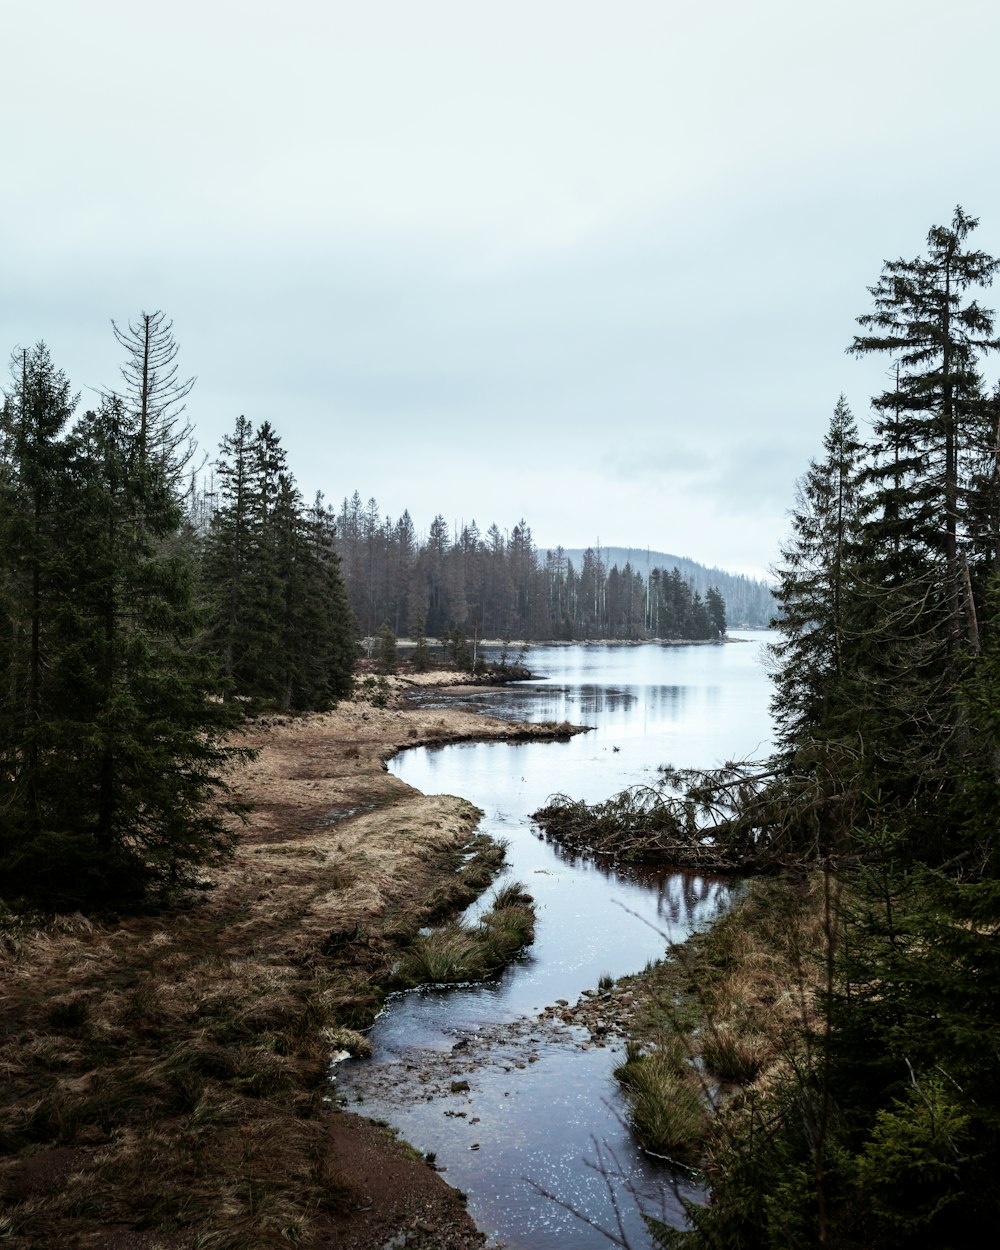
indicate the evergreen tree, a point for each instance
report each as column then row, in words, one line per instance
column 922, row 551
column 111, row 741
column 716, row 606
column 154, row 395
column 935, row 426
column 421, row 652
column 230, row 546
column 385, row 650
column 33, row 545
column 813, row 587
column 280, row 616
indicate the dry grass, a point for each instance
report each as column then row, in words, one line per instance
column 458, row 952
column 735, row 1004
column 164, row 1075
column 666, row 1109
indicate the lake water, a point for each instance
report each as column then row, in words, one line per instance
column 542, row 1112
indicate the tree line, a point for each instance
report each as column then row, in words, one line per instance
column 886, row 778
column 498, row 585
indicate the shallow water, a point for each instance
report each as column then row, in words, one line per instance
column 541, row 1108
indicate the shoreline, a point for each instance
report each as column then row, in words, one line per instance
column 175, row 1064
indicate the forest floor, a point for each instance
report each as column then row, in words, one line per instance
column 166, row 1075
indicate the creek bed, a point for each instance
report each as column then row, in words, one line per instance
column 511, row 1100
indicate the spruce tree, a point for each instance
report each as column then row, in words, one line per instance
column 153, row 394
column 923, row 556
column 33, row 538
column 112, row 740
column 813, row 588
column 935, row 425
column 230, row 546
column 716, row 606
column 279, row 612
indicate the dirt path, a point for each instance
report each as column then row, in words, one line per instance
column 165, row 1075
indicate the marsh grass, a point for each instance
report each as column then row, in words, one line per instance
column 666, row 1108
column 733, row 1053
column 459, row 952
column 735, row 1004
column 452, row 953
column 170, row 1080
column 187, row 1092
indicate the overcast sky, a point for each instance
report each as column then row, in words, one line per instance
column 594, row 264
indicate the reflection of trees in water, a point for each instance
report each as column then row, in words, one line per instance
column 593, row 700
column 557, row 703
column 667, row 699
column 582, row 863
column 682, row 898
column 685, row 898
column 664, row 702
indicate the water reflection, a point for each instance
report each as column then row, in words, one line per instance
column 536, row 1104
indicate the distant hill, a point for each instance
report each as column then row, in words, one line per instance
column 749, row 602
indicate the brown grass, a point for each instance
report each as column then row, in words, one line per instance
column 164, row 1075
column 734, row 1005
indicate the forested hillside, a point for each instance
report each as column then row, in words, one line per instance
column 749, row 601
column 500, row 585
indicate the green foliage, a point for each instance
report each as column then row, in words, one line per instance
column 110, row 734
column 385, row 649
column 279, row 615
column 912, row 1160
column 813, row 591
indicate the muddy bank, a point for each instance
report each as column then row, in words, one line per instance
column 166, row 1073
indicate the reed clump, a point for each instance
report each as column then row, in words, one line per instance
column 666, row 1109
column 459, row 952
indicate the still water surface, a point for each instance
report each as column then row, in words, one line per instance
column 541, row 1111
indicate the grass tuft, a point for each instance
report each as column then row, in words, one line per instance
column 734, row 1054
column 666, row 1110
column 460, row 952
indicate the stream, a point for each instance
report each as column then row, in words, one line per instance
column 512, row 1103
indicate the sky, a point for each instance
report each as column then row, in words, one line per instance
column 590, row 264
